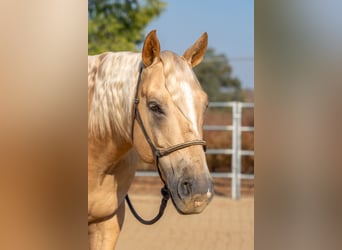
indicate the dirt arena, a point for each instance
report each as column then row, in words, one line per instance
column 225, row 224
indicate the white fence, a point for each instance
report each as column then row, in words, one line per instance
column 236, row 150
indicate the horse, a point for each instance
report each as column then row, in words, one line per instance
column 145, row 106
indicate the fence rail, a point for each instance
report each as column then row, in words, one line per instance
column 236, row 151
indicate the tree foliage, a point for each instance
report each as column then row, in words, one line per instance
column 117, row 25
column 215, row 75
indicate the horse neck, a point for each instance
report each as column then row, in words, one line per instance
column 110, row 113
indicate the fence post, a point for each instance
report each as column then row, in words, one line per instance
column 236, row 147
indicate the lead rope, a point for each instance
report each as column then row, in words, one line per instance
column 163, row 203
column 165, row 197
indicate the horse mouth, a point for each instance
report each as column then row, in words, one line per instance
column 195, row 206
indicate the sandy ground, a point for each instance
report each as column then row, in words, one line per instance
column 225, row 224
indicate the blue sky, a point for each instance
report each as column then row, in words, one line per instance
column 229, row 23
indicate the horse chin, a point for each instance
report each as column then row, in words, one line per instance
column 187, row 209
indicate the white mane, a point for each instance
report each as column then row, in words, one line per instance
column 113, row 89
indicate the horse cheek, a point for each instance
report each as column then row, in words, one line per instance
column 141, row 146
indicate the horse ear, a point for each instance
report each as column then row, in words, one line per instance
column 195, row 53
column 151, row 48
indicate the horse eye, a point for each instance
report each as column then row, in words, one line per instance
column 155, row 107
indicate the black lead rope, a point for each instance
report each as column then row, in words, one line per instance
column 166, row 196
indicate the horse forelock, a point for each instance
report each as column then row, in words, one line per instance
column 113, row 91
column 182, row 85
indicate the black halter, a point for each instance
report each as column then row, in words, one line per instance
column 157, row 153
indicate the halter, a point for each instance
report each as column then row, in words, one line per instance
column 157, row 153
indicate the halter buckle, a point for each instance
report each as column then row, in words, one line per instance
column 158, row 153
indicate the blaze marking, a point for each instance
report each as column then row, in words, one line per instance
column 189, row 101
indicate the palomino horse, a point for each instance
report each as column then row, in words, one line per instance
column 148, row 105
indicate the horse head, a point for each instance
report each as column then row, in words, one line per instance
column 168, row 119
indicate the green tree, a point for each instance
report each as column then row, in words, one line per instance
column 215, row 75
column 116, row 25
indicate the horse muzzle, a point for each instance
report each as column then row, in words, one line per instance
column 191, row 196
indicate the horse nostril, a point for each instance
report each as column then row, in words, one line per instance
column 187, row 187
column 184, row 189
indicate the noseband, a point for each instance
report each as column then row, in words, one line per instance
column 157, row 153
